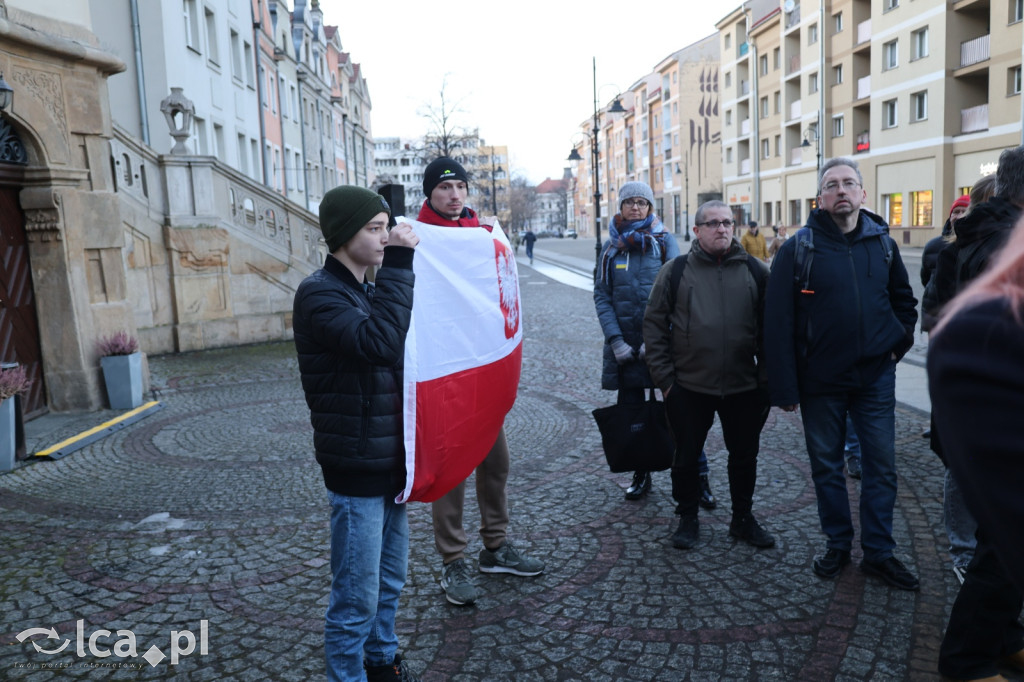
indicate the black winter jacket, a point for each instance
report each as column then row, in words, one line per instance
column 350, row 340
column 979, row 234
column 858, row 310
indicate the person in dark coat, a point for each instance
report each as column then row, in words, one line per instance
column 840, row 323
column 350, row 340
column 636, row 248
column 976, row 382
column 930, row 255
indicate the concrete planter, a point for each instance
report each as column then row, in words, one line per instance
column 7, row 435
column 123, row 377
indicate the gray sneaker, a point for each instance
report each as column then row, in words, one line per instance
column 507, row 559
column 457, row 584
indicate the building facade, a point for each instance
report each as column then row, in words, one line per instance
column 923, row 95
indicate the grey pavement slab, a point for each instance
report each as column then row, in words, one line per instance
column 210, row 517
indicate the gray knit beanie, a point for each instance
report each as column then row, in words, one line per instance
column 636, row 189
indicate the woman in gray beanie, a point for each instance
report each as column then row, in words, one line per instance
column 637, row 247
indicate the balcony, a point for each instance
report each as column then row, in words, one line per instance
column 974, row 119
column 794, row 65
column 795, row 110
column 974, row 51
column 864, row 32
column 745, row 127
column 745, row 167
column 744, row 88
column 793, row 18
column 744, row 48
column 796, row 156
column 864, row 87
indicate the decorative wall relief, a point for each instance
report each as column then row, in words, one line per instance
column 42, row 209
column 46, row 88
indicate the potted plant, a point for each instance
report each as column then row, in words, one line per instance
column 13, row 382
column 122, row 370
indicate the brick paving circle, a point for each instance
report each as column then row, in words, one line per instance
column 213, row 509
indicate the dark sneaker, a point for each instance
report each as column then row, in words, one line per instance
column 747, row 528
column 640, row 486
column 830, row 564
column 892, row 571
column 457, row 584
column 396, row 672
column 853, row 467
column 707, row 500
column 507, row 559
column 687, row 534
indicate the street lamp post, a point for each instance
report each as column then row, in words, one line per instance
column 686, row 179
column 814, row 133
column 494, row 173
column 615, row 108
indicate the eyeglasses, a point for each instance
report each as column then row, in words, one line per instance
column 636, row 203
column 848, row 185
column 715, row 224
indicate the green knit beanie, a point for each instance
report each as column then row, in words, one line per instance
column 345, row 210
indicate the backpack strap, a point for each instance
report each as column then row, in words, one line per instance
column 675, row 276
column 803, row 258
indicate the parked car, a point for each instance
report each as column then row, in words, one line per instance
column 571, row 233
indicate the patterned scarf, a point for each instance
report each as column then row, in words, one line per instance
column 637, row 235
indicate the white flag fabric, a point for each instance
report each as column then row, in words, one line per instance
column 463, row 354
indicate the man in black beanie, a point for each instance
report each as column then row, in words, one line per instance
column 446, row 186
column 350, row 339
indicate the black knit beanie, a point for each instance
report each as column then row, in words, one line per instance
column 345, row 210
column 441, row 169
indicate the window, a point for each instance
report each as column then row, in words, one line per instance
column 838, row 126
column 778, row 102
column 766, row 149
column 777, row 57
column 919, row 101
column 1016, row 11
column 890, row 114
column 893, row 206
column 728, row 79
column 212, row 52
column 764, row 64
column 218, row 141
column 837, row 74
column 250, row 78
column 728, row 154
column 1013, row 81
column 236, row 58
column 191, row 12
column 812, row 83
column 778, row 145
column 243, row 157
column 921, row 208
column 728, row 40
column 837, row 19
column 890, row 55
column 204, row 143
column 919, row 43
column 891, row 4
column 764, row 107
column 728, row 117
column 812, row 34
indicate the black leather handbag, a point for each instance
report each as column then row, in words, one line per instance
column 636, row 437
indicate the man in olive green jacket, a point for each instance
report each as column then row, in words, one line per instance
column 703, row 346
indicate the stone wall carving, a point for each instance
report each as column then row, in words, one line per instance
column 42, row 207
column 47, row 89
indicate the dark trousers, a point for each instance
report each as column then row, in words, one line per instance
column 983, row 625
column 691, row 415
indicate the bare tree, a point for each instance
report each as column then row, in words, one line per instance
column 446, row 137
column 522, row 203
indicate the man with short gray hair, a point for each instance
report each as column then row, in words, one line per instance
column 838, row 330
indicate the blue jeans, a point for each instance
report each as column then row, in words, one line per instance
column 873, row 411
column 960, row 525
column 369, row 558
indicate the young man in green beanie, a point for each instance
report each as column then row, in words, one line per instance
column 446, row 186
column 350, row 339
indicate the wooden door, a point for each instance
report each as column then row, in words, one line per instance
column 19, row 329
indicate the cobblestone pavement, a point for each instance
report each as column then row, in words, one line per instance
column 213, row 511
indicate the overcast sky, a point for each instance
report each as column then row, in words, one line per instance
column 521, row 71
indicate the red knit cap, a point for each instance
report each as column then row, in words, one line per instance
column 962, row 200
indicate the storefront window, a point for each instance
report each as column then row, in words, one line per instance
column 893, row 204
column 922, row 208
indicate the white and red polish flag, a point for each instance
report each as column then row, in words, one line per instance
column 463, row 354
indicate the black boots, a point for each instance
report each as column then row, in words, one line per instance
column 640, row 486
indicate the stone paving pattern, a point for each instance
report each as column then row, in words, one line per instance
column 214, row 509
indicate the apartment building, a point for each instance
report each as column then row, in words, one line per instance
column 669, row 136
column 924, row 94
